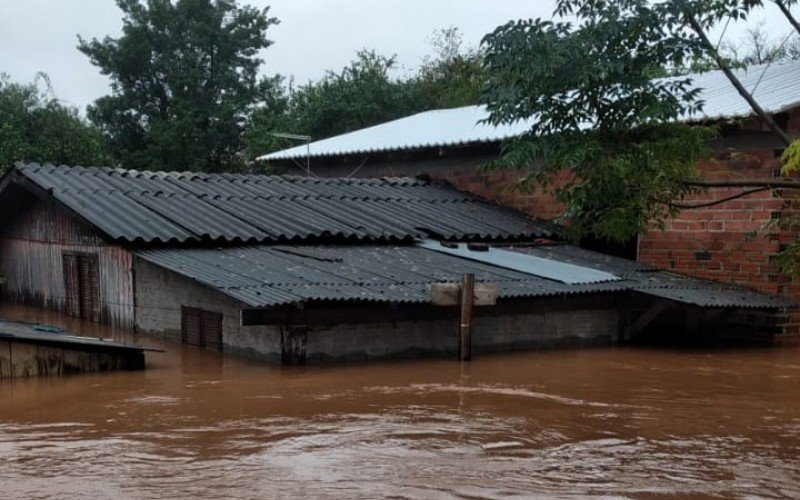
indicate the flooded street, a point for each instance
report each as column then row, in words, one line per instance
column 627, row 422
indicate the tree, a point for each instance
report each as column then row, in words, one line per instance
column 598, row 111
column 759, row 47
column 453, row 78
column 360, row 95
column 364, row 93
column 587, row 84
column 184, row 79
column 35, row 126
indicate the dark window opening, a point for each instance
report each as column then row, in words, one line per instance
column 200, row 328
column 626, row 250
column 82, row 286
column 294, row 342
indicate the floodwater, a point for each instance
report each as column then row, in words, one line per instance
column 623, row 422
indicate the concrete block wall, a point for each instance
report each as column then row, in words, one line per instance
column 160, row 295
column 541, row 327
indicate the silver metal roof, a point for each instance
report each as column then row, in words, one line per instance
column 776, row 87
column 270, row 276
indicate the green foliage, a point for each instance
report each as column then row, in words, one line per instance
column 360, row 95
column 791, row 159
column 364, row 93
column 453, row 78
column 588, row 87
column 184, row 78
column 34, row 126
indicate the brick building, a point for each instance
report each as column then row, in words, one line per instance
column 731, row 242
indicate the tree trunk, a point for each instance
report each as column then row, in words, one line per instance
column 788, row 14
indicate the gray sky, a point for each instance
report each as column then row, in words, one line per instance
column 314, row 35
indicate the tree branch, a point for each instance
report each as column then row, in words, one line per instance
column 698, row 29
column 753, row 183
column 688, row 206
column 788, row 14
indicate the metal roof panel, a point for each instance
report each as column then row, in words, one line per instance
column 774, row 86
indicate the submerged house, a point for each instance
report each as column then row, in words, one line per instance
column 730, row 242
column 297, row 269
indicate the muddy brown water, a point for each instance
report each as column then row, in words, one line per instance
column 621, row 422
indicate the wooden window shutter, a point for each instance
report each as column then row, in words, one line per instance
column 212, row 330
column 201, row 328
column 190, row 326
column 90, row 287
column 72, row 285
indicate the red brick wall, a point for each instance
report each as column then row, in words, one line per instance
column 736, row 237
column 501, row 186
column 730, row 242
column 734, row 241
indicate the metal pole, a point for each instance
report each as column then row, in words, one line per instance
column 308, row 157
column 467, row 303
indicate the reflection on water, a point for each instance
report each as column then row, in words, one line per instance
column 616, row 422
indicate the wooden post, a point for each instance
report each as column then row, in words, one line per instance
column 467, row 301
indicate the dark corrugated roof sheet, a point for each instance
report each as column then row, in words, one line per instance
column 649, row 280
column 151, row 207
column 268, row 276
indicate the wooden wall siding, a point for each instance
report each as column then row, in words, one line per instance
column 44, row 221
column 32, row 262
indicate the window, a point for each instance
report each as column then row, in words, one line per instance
column 201, row 328
column 82, row 286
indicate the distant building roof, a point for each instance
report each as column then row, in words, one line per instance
column 158, row 207
column 775, row 87
column 271, row 276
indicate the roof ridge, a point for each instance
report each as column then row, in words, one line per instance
column 226, row 176
column 144, row 207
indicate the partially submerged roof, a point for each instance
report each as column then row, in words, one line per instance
column 271, row 276
column 158, row 207
column 774, row 86
column 34, row 333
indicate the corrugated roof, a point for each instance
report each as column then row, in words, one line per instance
column 48, row 335
column 148, row 207
column 774, row 86
column 269, row 276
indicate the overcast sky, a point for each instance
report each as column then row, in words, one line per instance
column 313, row 36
